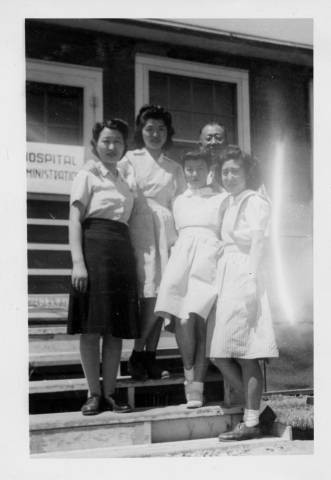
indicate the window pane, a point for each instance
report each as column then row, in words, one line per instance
column 34, row 102
column 35, row 132
column 193, row 102
column 225, row 98
column 158, row 89
column 54, row 113
column 202, row 96
column 179, row 93
column 183, row 124
column 63, row 109
column 63, row 135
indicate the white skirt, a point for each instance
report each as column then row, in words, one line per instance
column 189, row 281
column 240, row 326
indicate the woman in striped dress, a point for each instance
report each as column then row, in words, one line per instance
column 241, row 332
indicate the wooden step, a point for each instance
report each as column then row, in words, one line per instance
column 48, row 259
column 65, row 351
column 56, row 387
column 75, row 384
column 42, row 282
column 72, row 431
column 48, row 210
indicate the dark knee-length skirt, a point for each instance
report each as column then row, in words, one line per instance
column 111, row 303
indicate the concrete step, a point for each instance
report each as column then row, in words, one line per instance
column 70, row 431
column 198, row 447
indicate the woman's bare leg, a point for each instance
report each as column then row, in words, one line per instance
column 252, row 383
column 200, row 360
column 111, row 357
column 231, row 372
column 148, row 321
column 185, row 336
column 89, row 345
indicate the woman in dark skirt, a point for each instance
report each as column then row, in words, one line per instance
column 103, row 297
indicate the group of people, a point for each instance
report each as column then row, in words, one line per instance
column 153, row 241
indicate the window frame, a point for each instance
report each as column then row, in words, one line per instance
column 146, row 63
column 88, row 78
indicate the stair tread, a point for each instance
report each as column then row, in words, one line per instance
column 61, row 351
column 49, row 421
column 74, row 384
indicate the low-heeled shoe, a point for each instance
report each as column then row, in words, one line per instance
column 114, row 405
column 241, row 432
column 92, row 406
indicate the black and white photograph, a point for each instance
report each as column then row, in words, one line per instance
column 168, row 214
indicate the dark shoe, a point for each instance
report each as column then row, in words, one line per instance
column 136, row 366
column 114, row 405
column 241, row 432
column 92, row 406
column 266, row 420
column 152, row 368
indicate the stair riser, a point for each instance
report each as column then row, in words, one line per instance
column 70, row 401
column 100, row 436
column 192, row 428
column 90, row 437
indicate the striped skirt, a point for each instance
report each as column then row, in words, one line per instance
column 240, row 326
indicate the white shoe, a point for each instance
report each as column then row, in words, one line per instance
column 194, row 394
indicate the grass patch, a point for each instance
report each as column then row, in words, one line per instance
column 295, row 412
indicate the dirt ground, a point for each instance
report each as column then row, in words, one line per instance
column 296, row 447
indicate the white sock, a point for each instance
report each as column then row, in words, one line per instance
column 251, row 417
column 189, row 374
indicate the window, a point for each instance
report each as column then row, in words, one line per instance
column 54, row 113
column 195, row 93
column 62, row 102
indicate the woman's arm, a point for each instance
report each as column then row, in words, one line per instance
column 256, row 252
column 79, row 276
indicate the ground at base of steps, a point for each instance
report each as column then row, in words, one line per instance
column 207, row 447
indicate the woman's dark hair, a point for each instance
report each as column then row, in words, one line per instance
column 112, row 124
column 156, row 112
column 251, row 165
column 197, row 155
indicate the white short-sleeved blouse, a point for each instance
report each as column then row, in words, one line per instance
column 254, row 215
column 161, row 180
column 102, row 194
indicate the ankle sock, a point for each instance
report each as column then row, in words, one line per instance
column 251, row 417
column 189, row 374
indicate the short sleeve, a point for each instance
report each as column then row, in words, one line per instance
column 257, row 213
column 81, row 189
column 127, row 172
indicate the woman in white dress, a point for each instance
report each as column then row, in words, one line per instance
column 156, row 180
column 188, row 288
column 241, row 332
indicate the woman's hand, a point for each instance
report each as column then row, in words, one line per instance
column 79, row 277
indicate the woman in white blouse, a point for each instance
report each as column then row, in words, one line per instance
column 104, row 298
